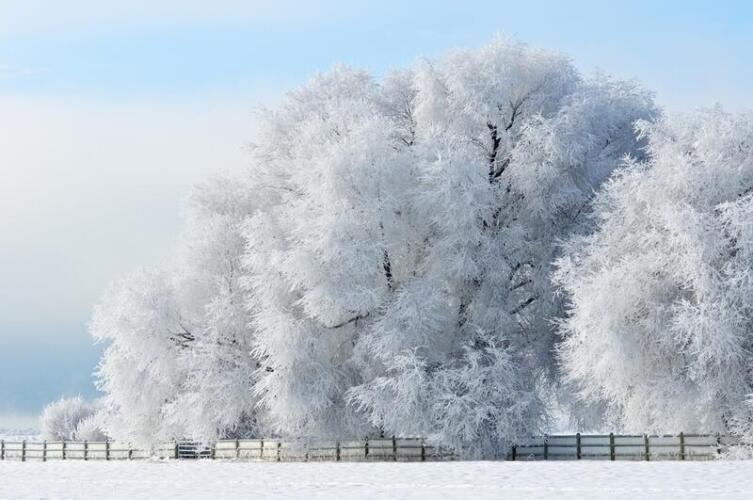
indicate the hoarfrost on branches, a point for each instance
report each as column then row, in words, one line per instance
column 659, row 296
column 384, row 265
column 399, row 259
column 69, row 419
column 178, row 362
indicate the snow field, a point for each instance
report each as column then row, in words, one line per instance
column 477, row 480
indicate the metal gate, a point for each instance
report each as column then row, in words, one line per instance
column 191, row 450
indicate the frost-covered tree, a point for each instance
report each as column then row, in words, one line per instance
column 139, row 371
column 400, row 257
column 384, row 266
column 316, row 255
column 90, row 428
column 179, row 362
column 661, row 295
column 217, row 398
column 69, row 419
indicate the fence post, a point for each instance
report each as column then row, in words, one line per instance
column 175, row 450
column 213, row 450
column 261, row 451
column 2, row 449
column 718, row 444
column 45, row 450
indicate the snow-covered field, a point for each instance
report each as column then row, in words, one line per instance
column 476, row 480
column 19, row 434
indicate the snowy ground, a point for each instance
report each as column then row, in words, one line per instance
column 476, row 480
column 19, row 434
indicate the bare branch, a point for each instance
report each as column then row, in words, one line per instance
column 525, row 304
column 387, row 265
column 347, row 322
column 521, row 284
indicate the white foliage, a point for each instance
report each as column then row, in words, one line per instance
column 89, row 429
column 400, row 255
column 179, row 362
column 660, row 295
column 216, row 399
column 139, row 373
column 69, row 419
column 384, row 265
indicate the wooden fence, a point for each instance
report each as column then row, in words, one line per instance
column 623, row 447
column 264, row 450
column 555, row 447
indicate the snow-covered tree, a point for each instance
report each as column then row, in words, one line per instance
column 90, row 429
column 217, row 398
column 139, row 371
column 660, row 297
column 399, row 260
column 384, row 265
column 69, row 419
column 179, row 362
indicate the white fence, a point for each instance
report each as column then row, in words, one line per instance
column 556, row 447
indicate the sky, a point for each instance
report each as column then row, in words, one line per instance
column 111, row 111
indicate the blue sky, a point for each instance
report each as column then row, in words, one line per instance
column 688, row 51
column 109, row 112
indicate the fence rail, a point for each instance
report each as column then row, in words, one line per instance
column 266, row 450
column 554, row 447
column 623, row 447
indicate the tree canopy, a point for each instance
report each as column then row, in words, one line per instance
column 456, row 250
